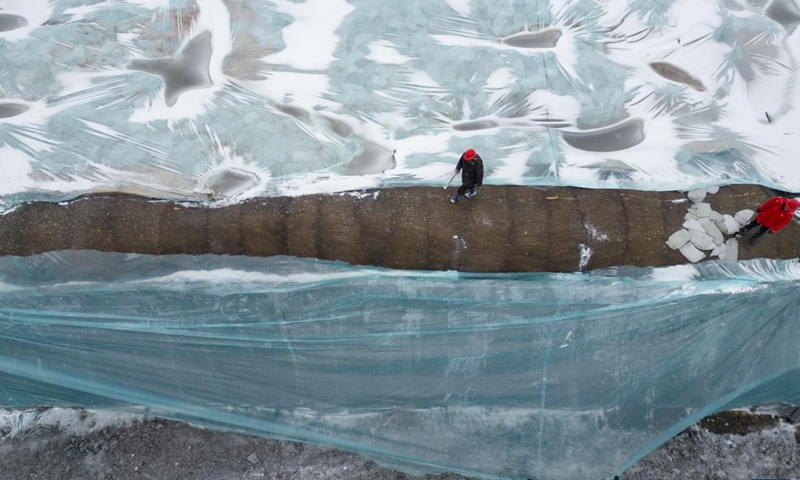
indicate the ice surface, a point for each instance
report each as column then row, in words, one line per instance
column 155, row 96
column 11, row 22
column 521, row 376
column 10, row 109
column 543, row 39
column 675, row 74
column 188, row 70
column 607, row 139
column 785, row 12
column 230, row 182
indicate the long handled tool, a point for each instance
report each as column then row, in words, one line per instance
column 451, row 179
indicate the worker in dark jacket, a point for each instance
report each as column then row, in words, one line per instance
column 471, row 167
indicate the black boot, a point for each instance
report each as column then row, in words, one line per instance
column 758, row 235
column 741, row 233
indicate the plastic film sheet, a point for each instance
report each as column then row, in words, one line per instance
column 504, row 375
column 233, row 99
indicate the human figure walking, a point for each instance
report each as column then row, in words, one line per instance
column 471, row 167
column 773, row 215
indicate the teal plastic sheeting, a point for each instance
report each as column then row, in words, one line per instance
column 522, row 376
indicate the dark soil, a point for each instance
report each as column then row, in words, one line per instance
column 503, row 229
column 738, row 422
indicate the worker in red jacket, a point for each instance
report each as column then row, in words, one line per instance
column 773, row 215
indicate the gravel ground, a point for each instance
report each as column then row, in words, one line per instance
column 729, row 445
column 76, row 444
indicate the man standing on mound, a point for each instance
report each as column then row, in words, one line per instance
column 773, row 215
column 471, row 167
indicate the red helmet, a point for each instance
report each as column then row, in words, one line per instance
column 792, row 204
column 469, row 154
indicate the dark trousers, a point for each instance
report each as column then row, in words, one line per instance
column 758, row 234
column 464, row 189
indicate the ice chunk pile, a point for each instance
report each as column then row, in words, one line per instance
column 705, row 229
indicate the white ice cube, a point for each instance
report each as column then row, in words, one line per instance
column 731, row 249
column 697, row 196
column 702, row 210
column 743, row 216
column 728, row 225
column 692, row 253
column 692, row 224
column 702, row 240
column 713, row 231
column 678, row 239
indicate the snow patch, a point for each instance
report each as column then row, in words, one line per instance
column 73, row 421
column 676, row 273
column 460, row 6
column 586, row 255
column 311, row 39
column 594, row 233
column 151, row 4
column 35, row 13
column 383, row 51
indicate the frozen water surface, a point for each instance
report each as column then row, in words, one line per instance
column 230, row 182
column 306, row 93
column 11, row 22
column 9, row 109
column 545, row 39
column 475, row 125
column 188, row 70
column 785, row 12
column 610, row 139
column 675, row 74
